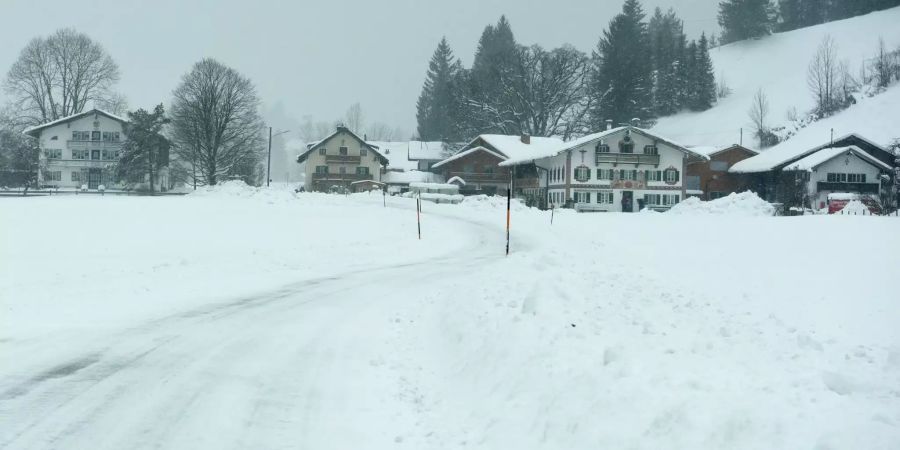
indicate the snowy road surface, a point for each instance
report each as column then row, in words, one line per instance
column 321, row 322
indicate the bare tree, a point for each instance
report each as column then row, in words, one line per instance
column 379, row 131
column 116, row 104
column 759, row 112
column 354, row 119
column 722, row 88
column 216, row 123
column 884, row 65
column 60, row 75
column 823, row 77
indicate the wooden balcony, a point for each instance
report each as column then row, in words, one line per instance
column 861, row 188
column 351, row 177
column 342, row 159
column 627, row 158
column 93, row 145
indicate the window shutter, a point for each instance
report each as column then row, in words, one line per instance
column 677, row 176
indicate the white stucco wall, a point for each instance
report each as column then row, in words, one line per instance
column 332, row 147
column 840, row 164
column 60, row 137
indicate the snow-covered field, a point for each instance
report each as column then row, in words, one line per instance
column 777, row 64
column 246, row 318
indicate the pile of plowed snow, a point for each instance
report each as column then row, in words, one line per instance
column 238, row 188
column 855, row 207
column 743, row 204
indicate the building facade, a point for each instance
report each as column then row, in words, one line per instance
column 340, row 160
column 623, row 169
column 80, row 151
column 710, row 178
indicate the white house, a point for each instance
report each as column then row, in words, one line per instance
column 80, row 149
column 621, row 169
column 839, row 170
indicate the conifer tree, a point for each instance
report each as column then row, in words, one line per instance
column 437, row 110
column 622, row 80
column 745, row 19
column 703, row 93
column 486, row 100
column 666, row 38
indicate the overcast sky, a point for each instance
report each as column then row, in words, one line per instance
column 311, row 57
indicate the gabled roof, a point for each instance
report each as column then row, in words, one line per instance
column 425, row 151
column 35, row 130
column 396, row 153
column 713, row 150
column 591, row 138
column 824, row 155
column 789, row 151
column 506, row 147
column 314, row 146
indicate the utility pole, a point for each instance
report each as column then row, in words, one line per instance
column 269, row 162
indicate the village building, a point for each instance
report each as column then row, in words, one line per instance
column 803, row 177
column 335, row 163
column 476, row 168
column 710, row 179
column 622, row 169
column 79, row 152
column 426, row 154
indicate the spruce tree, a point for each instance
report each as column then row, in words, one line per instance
column 496, row 55
column 666, row 35
column 745, row 19
column 622, row 79
column 146, row 151
column 437, row 108
column 703, row 93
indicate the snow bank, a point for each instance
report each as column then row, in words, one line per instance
column 855, row 207
column 240, row 189
column 743, row 204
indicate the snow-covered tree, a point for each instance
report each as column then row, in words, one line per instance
column 745, row 19
column 146, row 150
column 438, row 110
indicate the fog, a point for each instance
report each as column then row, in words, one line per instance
column 311, row 58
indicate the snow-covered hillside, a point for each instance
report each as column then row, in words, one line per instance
column 778, row 64
column 260, row 318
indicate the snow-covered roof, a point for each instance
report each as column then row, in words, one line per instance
column 553, row 151
column 712, row 150
column 508, row 148
column 427, row 151
column 827, row 154
column 312, row 146
column 433, row 186
column 32, row 130
column 788, row 151
column 397, row 154
column 456, row 179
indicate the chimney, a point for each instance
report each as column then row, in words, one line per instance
column 636, row 122
column 526, row 138
column 608, row 124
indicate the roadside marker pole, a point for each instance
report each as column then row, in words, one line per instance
column 384, row 197
column 552, row 210
column 418, row 219
column 508, row 205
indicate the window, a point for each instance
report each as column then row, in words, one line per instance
column 671, row 175
column 651, row 150
column 343, row 170
column 605, row 197
column 627, row 174
column 53, row 175
column 81, row 135
column 582, row 174
column 604, row 174
column 322, row 169
column 626, row 145
column 53, row 153
column 718, row 166
column 661, row 199
column 362, row 170
column 488, row 170
column 652, row 199
column 110, row 154
column 322, row 150
column 111, row 136
column 602, row 148
column 670, row 200
column 80, row 154
column 363, row 152
column 76, row 176
column 95, row 154
column 95, row 135
column 653, row 175
column 582, row 197
column 856, row 178
column 343, row 151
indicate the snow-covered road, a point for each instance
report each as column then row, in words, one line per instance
column 308, row 365
column 254, row 318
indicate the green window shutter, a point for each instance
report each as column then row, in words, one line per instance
column 677, row 176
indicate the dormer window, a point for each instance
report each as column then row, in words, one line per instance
column 343, row 151
column 626, row 145
column 602, row 148
column 651, row 150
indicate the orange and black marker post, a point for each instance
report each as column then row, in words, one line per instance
column 418, row 218
column 508, row 205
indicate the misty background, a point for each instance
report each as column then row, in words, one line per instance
column 312, row 58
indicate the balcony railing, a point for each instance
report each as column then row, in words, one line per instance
column 94, row 145
column 862, row 188
column 341, row 177
column 627, row 158
column 343, row 159
column 480, row 177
